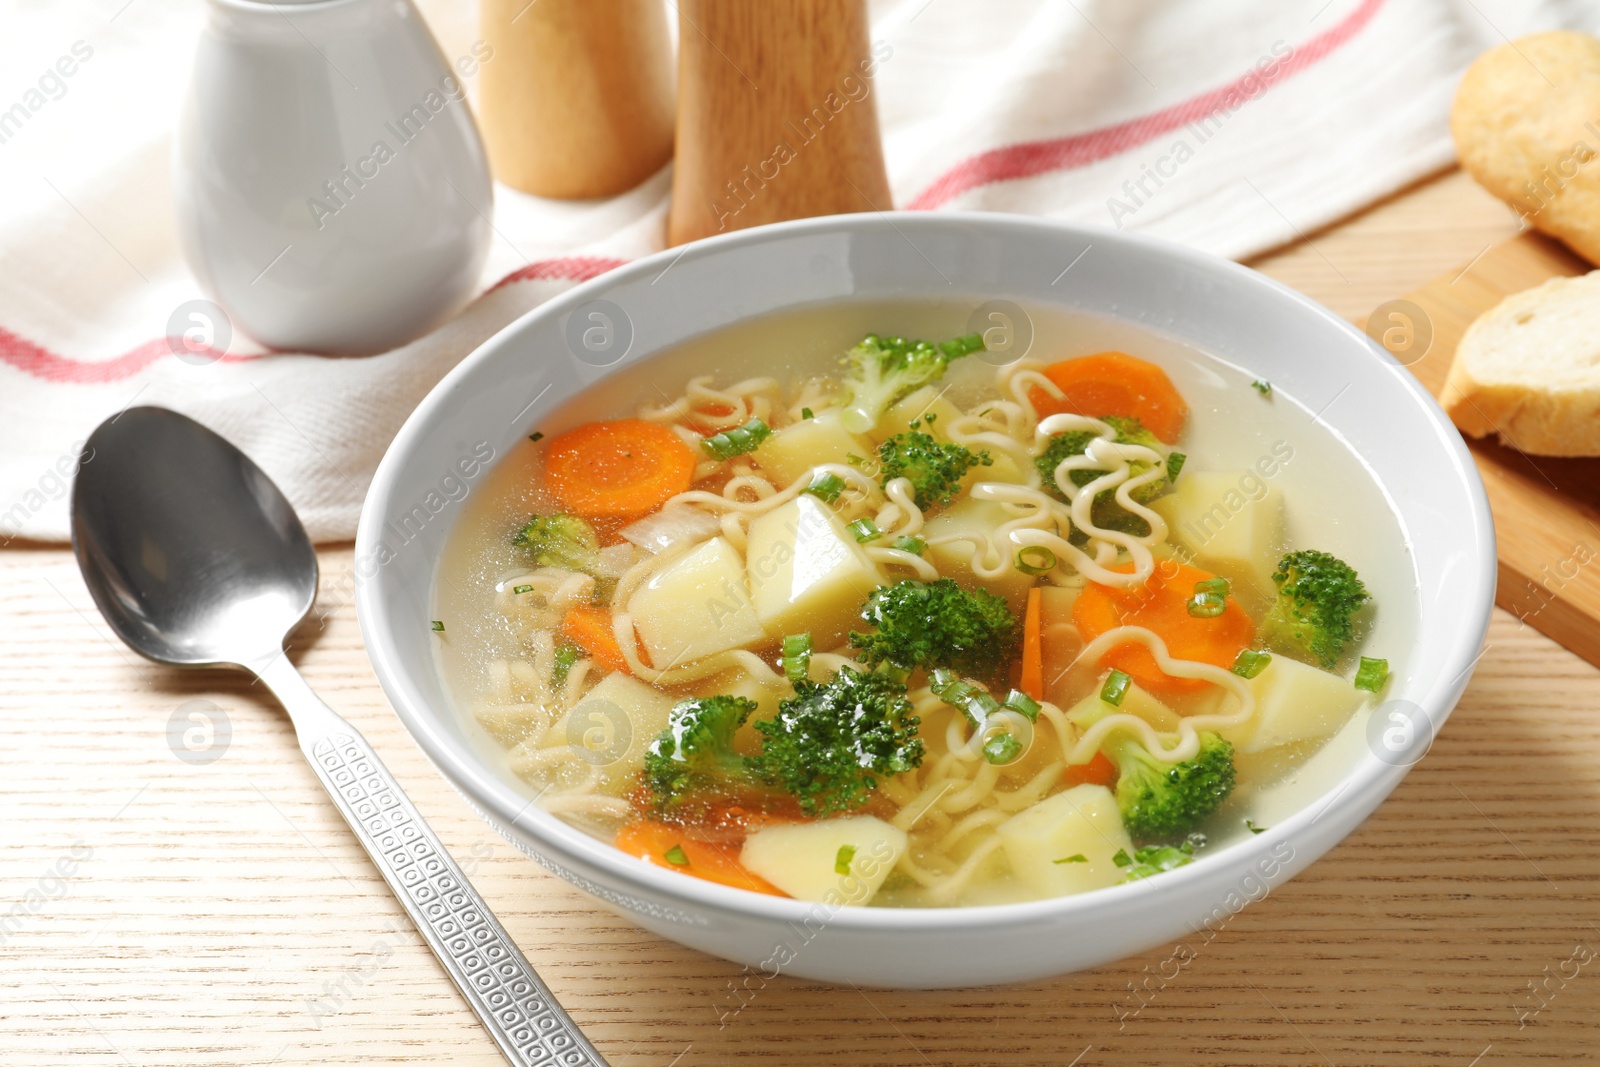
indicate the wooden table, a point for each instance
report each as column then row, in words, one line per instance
column 155, row 911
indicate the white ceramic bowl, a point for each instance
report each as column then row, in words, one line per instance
column 1309, row 353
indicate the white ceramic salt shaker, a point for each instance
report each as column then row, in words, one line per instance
column 332, row 191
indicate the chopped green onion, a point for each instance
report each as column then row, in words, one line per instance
column 1075, row 858
column 1035, row 559
column 1372, row 674
column 1116, row 688
column 566, row 656
column 1175, row 462
column 536, row 436
column 806, row 413
column 1262, row 386
column 1152, row 860
column 1002, row 749
column 1207, row 605
column 913, row 545
column 522, row 589
column 1250, row 663
column 977, row 704
column 890, row 669
column 962, row 346
column 865, row 530
column 1218, row 586
column 1249, row 824
column 797, row 657
column 980, row 705
column 951, row 689
column 826, row 486
column 737, row 442
column 1022, row 704
column 676, row 856
column 438, row 626
column 1122, row 859
column 843, row 858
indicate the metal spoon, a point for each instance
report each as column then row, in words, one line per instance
column 197, row 560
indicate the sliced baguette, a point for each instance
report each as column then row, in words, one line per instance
column 1529, row 370
column 1526, row 123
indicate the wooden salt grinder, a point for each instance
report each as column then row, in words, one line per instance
column 576, row 99
column 776, row 117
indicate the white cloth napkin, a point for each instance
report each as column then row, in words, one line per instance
column 1232, row 125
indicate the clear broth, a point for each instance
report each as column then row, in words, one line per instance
column 1332, row 502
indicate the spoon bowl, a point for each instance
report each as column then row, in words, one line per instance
column 191, row 553
column 197, row 560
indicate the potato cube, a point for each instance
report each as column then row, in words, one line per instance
column 1232, row 523
column 697, row 606
column 808, row 573
column 929, row 400
column 1044, row 842
column 798, row 447
column 1294, row 702
column 1002, row 469
column 1055, row 603
column 971, row 520
column 1136, row 701
column 611, row 727
column 838, row 861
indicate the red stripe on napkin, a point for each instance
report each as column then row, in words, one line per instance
column 1080, row 149
column 38, row 361
column 568, row 268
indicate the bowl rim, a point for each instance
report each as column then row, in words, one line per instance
column 1367, row 783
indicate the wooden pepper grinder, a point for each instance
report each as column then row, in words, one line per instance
column 776, row 118
column 576, row 99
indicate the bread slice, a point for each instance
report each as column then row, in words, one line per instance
column 1526, row 122
column 1529, row 370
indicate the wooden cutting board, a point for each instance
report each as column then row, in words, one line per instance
column 1546, row 510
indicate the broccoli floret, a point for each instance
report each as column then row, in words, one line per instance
column 826, row 747
column 1318, row 597
column 1161, row 799
column 559, row 541
column 694, row 756
column 830, row 741
column 935, row 467
column 938, row 624
column 1105, row 511
column 1064, row 446
column 1071, row 443
column 881, row 370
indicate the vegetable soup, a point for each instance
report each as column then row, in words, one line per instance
column 814, row 608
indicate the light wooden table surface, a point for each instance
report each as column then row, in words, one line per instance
column 154, row 911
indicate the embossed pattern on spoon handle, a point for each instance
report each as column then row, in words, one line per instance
column 515, row 1007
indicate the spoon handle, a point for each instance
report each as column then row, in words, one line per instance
column 515, row 1007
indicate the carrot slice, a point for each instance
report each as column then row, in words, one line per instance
column 590, row 629
column 1161, row 604
column 620, row 469
column 664, row 845
column 1098, row 771
column 1115, row 383
column 1032, row 679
